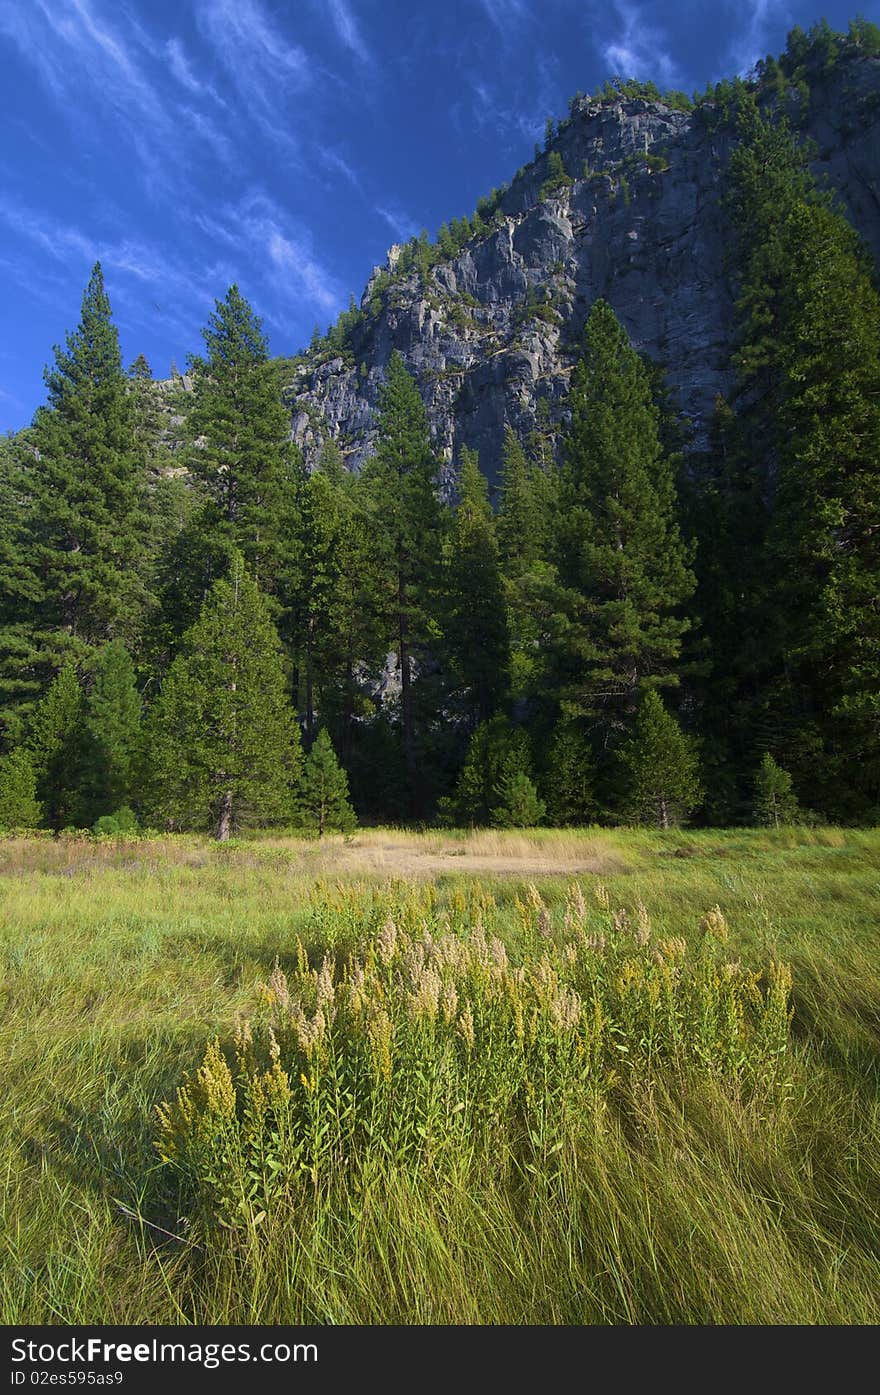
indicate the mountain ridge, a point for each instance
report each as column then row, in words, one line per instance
column 636, row 217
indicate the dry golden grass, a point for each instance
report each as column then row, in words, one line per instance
column 402, row 853
column 379, row 852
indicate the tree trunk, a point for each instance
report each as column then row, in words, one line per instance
column 224, row 822
column 664, row 814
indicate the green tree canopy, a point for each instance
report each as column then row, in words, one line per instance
column 325, row 788
column 570, row 776
column 775, row 802
column 662, row 765
column 19, row 806
column 517, row 803
column 240, row 447
column 55, row 747
column 475, row 625
column 112, row 732
column 89, row 516
column 622, row 562
column 223, row 742
column 400, row 483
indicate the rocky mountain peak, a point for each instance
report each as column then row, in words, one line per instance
column 626, row 203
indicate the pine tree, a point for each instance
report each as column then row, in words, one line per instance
column 496, row 753
column 622, row 562
column 475, row 613
column 809, row 363
column 569, row 778
column 325, row 788
column 400, row 485
column 19, row 806
column 222, row 737
column 332, row 623
column 149, row 420
column 88, row 519
column 55, row 747
column 517, row 804
column 519, row 539
column 22, row 662
column 112, row 733
column 775, row 802
column 662, row 766
column 728, row 516
column 240, row 447
column 526, row 528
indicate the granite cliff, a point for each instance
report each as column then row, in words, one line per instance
column 490, row 334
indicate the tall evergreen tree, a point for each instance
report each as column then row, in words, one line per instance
column 330, row 621
column 475, row 626
column 400, row 483
column 809, row 365
column 622, row 562
column 112, row 730
column 240, row 448
column 222, row 737
column 88, row 518
column 519, row 540
column 570, row 776
column 517, row 803
column 21, row 657
column 55, row 747
column 526, row 528
column 728, row 515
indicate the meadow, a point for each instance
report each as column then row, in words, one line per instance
column 591, row 1076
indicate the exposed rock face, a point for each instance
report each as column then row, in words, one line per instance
column 645, row 227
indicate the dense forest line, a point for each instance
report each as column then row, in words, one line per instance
column 196, row 632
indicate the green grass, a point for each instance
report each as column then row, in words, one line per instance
column 679, row 1196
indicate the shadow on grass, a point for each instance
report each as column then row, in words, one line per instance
column 107, row 1151
column 841, row 1024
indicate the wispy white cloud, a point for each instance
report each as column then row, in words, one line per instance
column 632, row 46
column 292, row 257
column 256, row 231
column 506, row 15
column 26, row 32
column 401, row 224
column 347, row 29
column 754, row 23
column 185, row 74
column 485, row 107
column 246, row 39
column 105, row 55
column 338, row 162
column 199, row 123
column 91, row 65
column 11, row 399
column 265, row 68
column 146, row 279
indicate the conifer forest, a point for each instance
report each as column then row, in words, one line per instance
column 629, row 630
column 440, row 769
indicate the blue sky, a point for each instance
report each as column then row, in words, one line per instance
column 284, row 144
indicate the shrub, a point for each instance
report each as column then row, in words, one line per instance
column 430, row 1047
column 775, row 802
column 123, row 822
column 518, row 803
column 19, row 806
